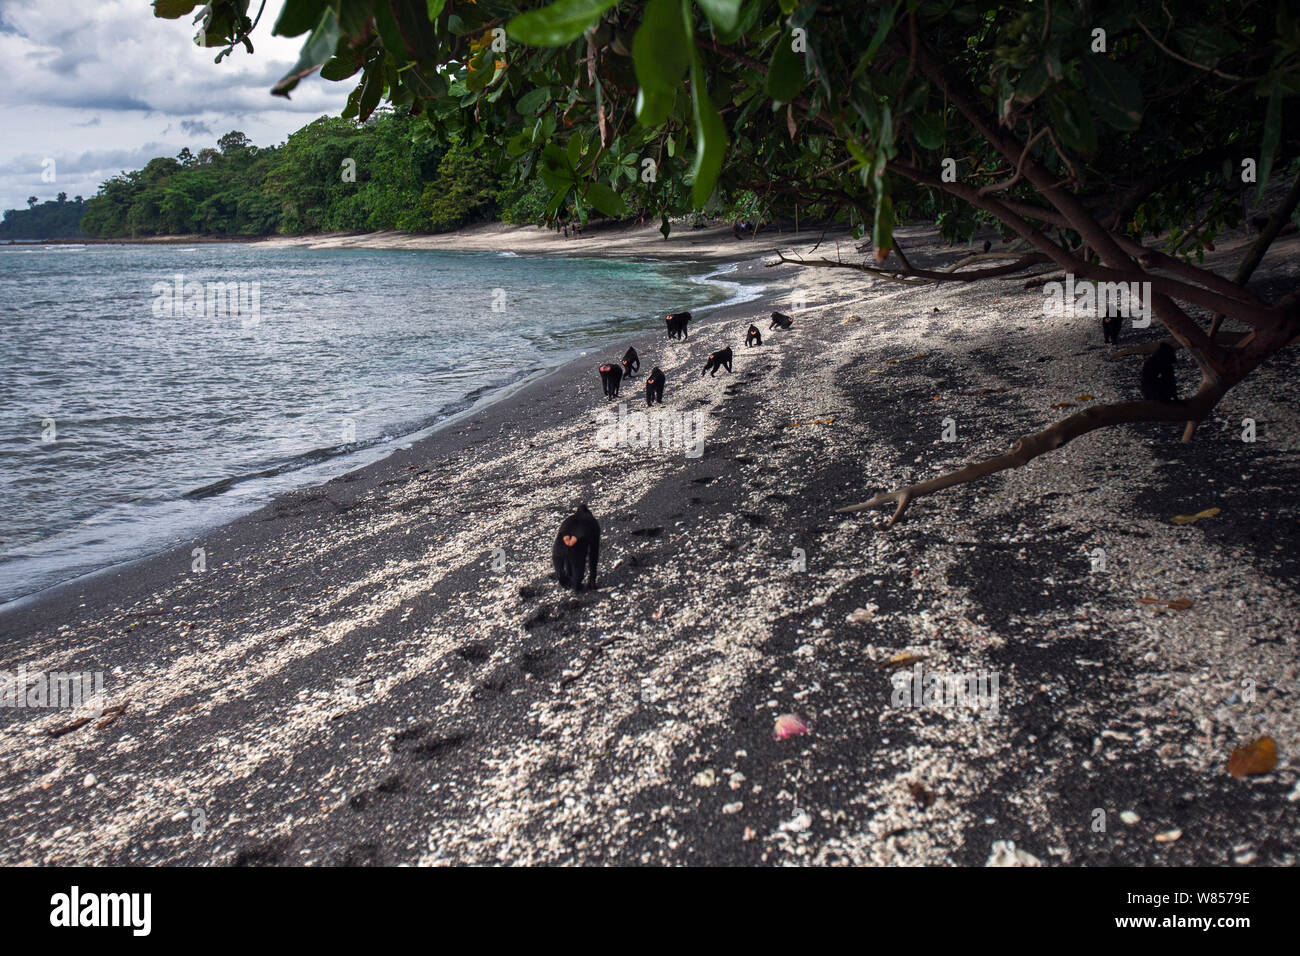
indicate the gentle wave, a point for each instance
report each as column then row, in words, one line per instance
column 167, row 426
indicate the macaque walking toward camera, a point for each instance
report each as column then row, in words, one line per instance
column 610, row 377
column 753, row 336
column 1158, row 384
column 716, row 361
column 654, row 386
column 631, row 362
column 676, row 323
column 577, row 543
column 1110, row 328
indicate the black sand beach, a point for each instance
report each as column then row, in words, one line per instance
column 380, row 670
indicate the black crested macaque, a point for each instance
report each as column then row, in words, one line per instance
column 987, row 245
column 677, row 325
column 610, row 377
column 716, row 361
column 753, row 336
column 1158, row 383
column 654, row 386
column 576, row 543
column 631, row 362
column 1110, row 328
column 780, row 321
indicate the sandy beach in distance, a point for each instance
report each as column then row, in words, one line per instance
column 381, row 670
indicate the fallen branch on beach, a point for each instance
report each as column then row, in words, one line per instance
column 910, row 275
column 69, row 728
column 111, row 714
column 107, row 716
column 1050, row 439
column 593, row 652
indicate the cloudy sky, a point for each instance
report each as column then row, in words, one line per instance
column 100, row 86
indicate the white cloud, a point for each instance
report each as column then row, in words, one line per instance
column 87, row 78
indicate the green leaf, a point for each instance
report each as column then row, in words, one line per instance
column 390, row 33
column 483, row 70
column 435, row 8
column 786, row 76
column 557, row 200
column 1206, row 43
column 882, row 30
column 354, row 16
column 533, row 101
column 431, row 85
column 660, row 52
column 315, row 52
column 606, row 200
column 518, row 145
column 173, row 9
column 372, row 88
column 297, row 17
column 928, row 129
column 1114, row 93
column 652, row 108
column 744, row 23
column 558, row 24
column 1072, row 121
column 710, row 140
column 556, row 159
column 723, row 14
column 1272, row 136
column 882, row 230
column 339, row 68
column 350, row 107
column 555, row 178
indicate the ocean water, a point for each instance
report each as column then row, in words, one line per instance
column 137, row 409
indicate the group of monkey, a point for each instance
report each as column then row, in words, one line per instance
column 578, row 542
column 613, row 373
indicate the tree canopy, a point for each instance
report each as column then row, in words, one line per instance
column 56, row 218
column 837, row 105
column 331, row 175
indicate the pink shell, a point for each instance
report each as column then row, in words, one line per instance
column 789, row 725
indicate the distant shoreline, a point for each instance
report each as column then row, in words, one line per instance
column 605, row 240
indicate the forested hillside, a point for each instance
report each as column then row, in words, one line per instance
column 52, row 219
column 333, row 174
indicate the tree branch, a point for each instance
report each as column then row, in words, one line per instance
column 1047, row 440
column 930, row 275
column 1255, row 256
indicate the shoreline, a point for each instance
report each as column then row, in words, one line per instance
column 711, row 270
column 378, row 670
column 600, row 241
